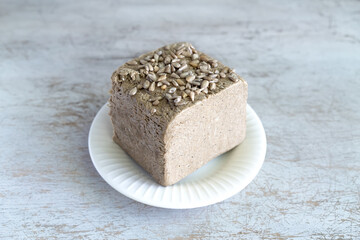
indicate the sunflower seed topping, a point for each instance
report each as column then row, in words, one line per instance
column 133, row 91
column 204, row 84
column 152, row 76
column 178, row 72
column 152, row 87
column 133, row 62
column 190, row 78
column 212, row 86
column 172, row 90
column 161, row 78
column 174, row 75
column 232, row 76
column 180, row 82
column 192, row 96
column 177, row 99
column 174, row 83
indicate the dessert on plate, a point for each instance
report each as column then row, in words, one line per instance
column 176, row 108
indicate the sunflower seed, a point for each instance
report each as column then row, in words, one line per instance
column 173, row 54
column 204, row 84
column 152, row 76
column 196, row 83
column 206, row 91
column 233, row 77
column 184, row 74
column 194, row 63
column 183, row 67
column 204, row 58
column 152, row 87
column 187, row 53
column 174, row 83
column 156, row 102
column 156, row 68
column 222, row 75
column 204, row 67
column 190, row 78
column 195, row 56
column 168, row 68
column 180, row 46
column 190, row 50
column 182, row 88
column 161, row 70
column 156, row 57
column 179, row 52
column 177, row 99
column 153, row 110
column 212, row 86
column 213, row 75
column 172, row 90
column 201, row 75
column 168, row 96
column 162, row 77
column 133, row 62
column 192, row 96
column 176, row 64
column 167, row 60
column 166, row 82
column 159, row 84
column 133, row 91
column 180, row 82
column 174, row 75
column 143, row 62
column 151, row 69
column 148, row 57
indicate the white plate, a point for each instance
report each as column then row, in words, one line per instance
column 218, row 180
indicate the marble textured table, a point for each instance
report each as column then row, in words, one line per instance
column 301, row 60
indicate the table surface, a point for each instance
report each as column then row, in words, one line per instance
column 302, row 63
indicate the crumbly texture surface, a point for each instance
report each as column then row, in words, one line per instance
column 165, row 101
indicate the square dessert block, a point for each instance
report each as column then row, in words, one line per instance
column 174, row 109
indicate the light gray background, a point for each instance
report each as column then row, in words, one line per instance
column 302, row 63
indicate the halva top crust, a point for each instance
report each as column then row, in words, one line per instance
column 173, row 78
